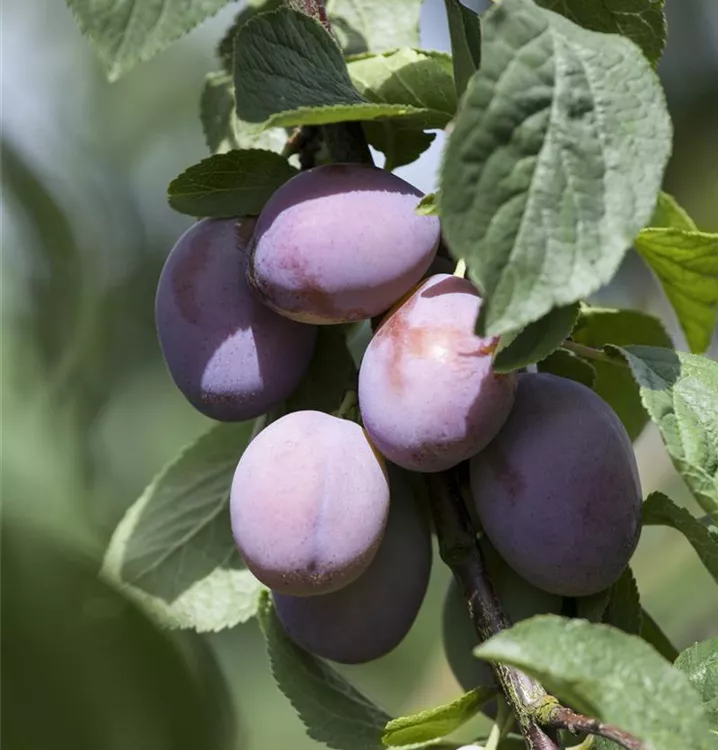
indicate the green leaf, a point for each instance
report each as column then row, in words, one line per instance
column 668, row 214
column 536, row 341
column 624, row 605
column 465, row 33
column 223, row 130
column 642, row 21
column 428, row 206
column 237, row 183
column 567, row 365
column 104, row 673
column 225, row 48
column 680, row 392
column 286, row 61
column 700, row 664
column 126, row 32
column 659, row 510
column 651, row 632
column 333, row 711
column 606, row 673
column 174, row 549
column 400, row 139
column 375, row 25
column 416, row 79
column 545, row 182
column 599, row 326
column 331, row 374
column 436, row 722
column 686, row 264
column 593, row 607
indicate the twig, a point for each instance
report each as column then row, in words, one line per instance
column 588, row 352
column 460, row 551
column 551, row 714
column 305, row 141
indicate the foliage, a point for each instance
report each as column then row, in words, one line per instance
column 558, row 140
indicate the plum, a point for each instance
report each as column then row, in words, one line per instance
column 339, row 243
column 428, row 395
column 309, row 503
column 231, row 357
column 371, row 616
column 557, row 491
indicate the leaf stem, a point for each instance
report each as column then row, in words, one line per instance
column 588, row 352
column 460, row 551
column 552, row 715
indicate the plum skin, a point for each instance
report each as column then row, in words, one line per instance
column 428, row 395
column 519, row 601
column 557, row 491
column 340, row 242
column 371, row 616
column 231, row 357
column 309, row 503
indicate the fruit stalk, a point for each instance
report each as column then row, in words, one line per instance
column 459, row 550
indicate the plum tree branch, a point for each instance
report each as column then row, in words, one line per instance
column 588, row 352
column 553, row 715
column 460, row 551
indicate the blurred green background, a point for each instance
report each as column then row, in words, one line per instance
column 89, row 414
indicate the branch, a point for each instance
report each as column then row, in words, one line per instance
column 588, row 352
column 553, row 715
column 460, row 551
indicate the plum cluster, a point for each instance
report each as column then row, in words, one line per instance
column 328, row 513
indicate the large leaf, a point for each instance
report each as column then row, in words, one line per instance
column 237, row 183
column 465, row 33
column 624, row 605
column 174, row 549
column 333, row 711
column 375, row 25
column 547, row 178
column 680, row 392
column 686, row 264
column 659, row 510
column 436, row 723
column 536, row 341
column 604, row 672
column 599, row 326
column 126, row 32
column 223, row 130
column 700, row 664
column 642, row 21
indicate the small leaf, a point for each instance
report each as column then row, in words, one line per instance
column 223, row 130
column 330, row 375
column 651, row 632
column 174, row 551
column 126, row 32
column 333, row 711
column 436, row 723
column 680, row 392
column 544, row 185
column 606, row 673
column 375, row 25
column 624, row 605
column 536, row 341
column 593, row 607
column 659, row 510
column 237, row 183
column 597, row 327
column 465, row 33
column 567, row 365
column 401, row 139
column 427, row 206
column 700, row 664
column 642, row 21
column 668, row 214
column 686, row 263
